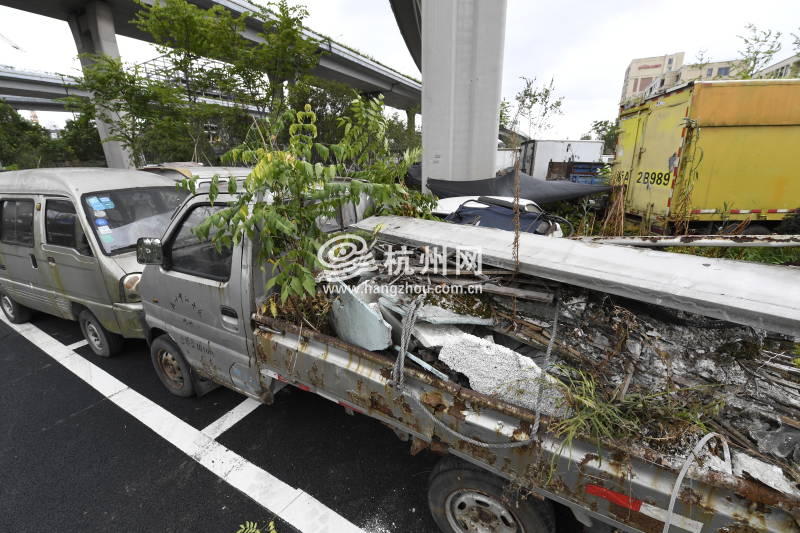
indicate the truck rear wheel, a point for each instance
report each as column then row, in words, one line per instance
column 464, row 498
column 15, row 313
column 101, row 341
column 171, row 368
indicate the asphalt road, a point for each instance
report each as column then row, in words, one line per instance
column 72, row 460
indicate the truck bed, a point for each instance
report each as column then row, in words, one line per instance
column 625, row 485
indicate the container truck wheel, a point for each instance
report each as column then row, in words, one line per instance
column 464, row 498
column 15, row 313
column 101, row 341
column 171, row 368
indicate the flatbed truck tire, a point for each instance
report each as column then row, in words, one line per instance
column 15, row 313
column 171, row 368
column 463, row 497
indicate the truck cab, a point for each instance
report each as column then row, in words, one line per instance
column 198, row 302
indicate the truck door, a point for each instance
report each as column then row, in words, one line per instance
column 19, row 264
column 66, row 260
column 200, row 299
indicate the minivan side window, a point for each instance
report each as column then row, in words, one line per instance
column 16, row 226
column 188, row 254
column 62, row 226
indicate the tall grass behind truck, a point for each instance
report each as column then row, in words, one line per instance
column 712, row 154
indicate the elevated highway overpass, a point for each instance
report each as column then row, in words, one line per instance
column 95, row 24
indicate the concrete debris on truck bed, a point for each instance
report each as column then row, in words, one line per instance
column 668, row 373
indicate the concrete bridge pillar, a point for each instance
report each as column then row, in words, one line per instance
column 462, row 67
column 93, row 30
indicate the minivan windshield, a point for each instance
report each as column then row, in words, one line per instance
column 121, row 216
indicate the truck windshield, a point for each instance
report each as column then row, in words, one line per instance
column 121, row 216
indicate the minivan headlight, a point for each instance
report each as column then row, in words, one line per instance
column 130, row 287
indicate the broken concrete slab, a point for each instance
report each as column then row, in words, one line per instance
column 498, row 371
column 435, row 335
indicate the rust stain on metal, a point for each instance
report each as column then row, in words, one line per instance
column 523, row 432
column 586, row 458
column 417, row 445
column 636, row 519
column 458, row 409
column 484, row 454
column 316, row 377
column 377, row 403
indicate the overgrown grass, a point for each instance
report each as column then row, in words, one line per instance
column 599, row 415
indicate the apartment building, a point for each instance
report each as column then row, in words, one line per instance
column 642, row 71
column 788, row 68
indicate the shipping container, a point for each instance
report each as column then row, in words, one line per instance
column 712, row 152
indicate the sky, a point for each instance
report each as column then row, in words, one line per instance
column 584, row 46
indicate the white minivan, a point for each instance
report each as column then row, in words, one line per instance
column 68, row 246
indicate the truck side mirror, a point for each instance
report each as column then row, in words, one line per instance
column 148, row 251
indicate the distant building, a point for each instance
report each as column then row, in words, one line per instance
column 718, row 70
column 788, row 68
column 641, row 73
column 648, row 76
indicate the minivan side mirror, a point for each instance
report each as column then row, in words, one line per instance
column 148, row 251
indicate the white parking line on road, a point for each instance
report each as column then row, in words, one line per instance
column 292, row 505
column 79, row 344
column 227, row 421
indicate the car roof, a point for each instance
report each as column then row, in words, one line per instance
column 77, row 181
column 179, row 172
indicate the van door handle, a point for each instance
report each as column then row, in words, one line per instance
column 34, row 264
column 228, row 312
column 51, row 260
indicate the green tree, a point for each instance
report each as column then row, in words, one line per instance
column 82, row 141
column 302, row 192
column 758, row 49
column 285, row 54
column 24, row 144
column 400, row 137
column 608, row 132
column 534, row 103
column 171, row 109
column 329, row 100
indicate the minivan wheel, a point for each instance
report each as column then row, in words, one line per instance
column 171, row 368
column 101, row 341
column 463, row 498
column 15, row 313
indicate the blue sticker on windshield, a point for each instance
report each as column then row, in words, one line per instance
column 107, row 238
column 95, row 203
column 100, row 222
column 107, row 202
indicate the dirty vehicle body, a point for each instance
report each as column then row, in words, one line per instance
column 181, row 171
column 207, row 324
column 712, row 152
column 67, row 246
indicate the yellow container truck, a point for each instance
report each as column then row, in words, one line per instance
column 712, row 153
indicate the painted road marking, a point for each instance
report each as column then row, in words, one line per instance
column 79, row 344
column 227, row 421
column 294, row 506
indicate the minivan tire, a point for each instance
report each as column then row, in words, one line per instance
column 171, row 367
column 15, row 313
column 101, row 341
column 463, row 497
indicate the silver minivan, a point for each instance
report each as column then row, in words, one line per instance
column 68, row 246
